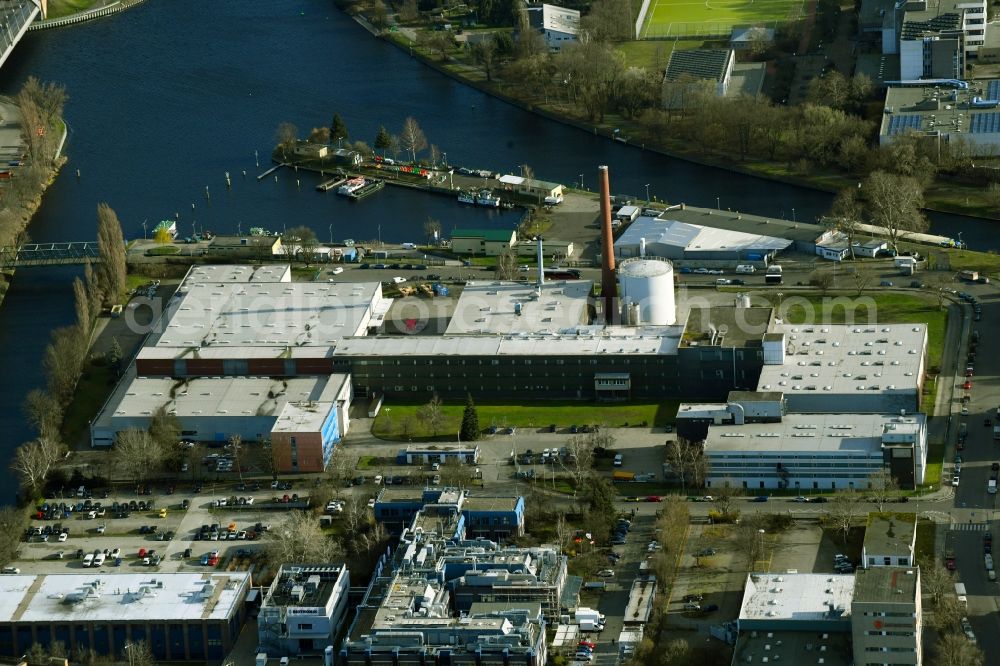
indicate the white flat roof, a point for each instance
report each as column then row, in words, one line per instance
column 799, row 597
column 662, row 340
column 491, row 307
column 827, row 433
column 113, row 597
column 876, row 359
column 218, row 396
column 695, row 238
column 265, row 314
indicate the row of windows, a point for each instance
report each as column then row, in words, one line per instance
column 884, row 614
column 890, row 649
column 889, row 633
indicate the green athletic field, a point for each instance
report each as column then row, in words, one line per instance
column 716, row 18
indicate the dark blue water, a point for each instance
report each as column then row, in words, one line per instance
column 168, row 96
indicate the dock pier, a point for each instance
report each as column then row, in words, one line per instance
column 270, row 171
column 328, row 185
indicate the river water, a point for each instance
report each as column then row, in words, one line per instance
column 167, row 97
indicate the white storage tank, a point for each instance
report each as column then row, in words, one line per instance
column 649, row 283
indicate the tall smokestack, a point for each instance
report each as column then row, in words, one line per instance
column 609, row 288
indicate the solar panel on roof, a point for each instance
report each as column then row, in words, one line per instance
column 993, row 90
column 904, row 122
column 985, row 123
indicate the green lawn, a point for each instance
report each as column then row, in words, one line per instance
column 889, row 309
column 60, row 8
column 681, row 18
column 653, row 54
column 925, row 540
column 399, row 420
column 163, row 250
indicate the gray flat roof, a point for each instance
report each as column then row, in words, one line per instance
column 796, row 596
column 886, row 585
column 265, row 314
column 731, row 326
column 827, row 433
column 662, row 340
column 219, row 396
column 112, row 597
column 890, row 533
column 882, row 360
column 666, row 230
column 948, row 110
column 491, row 307
column 789, row 647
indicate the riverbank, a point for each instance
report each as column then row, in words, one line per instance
column 69, row 12
column 941, row 196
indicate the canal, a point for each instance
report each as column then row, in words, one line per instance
column 165, row 98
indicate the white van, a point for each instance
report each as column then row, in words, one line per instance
column 409, row 246
column 88, row 559
column 746, row 268
column 619, row 460
column 992, row 487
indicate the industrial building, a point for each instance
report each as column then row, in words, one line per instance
column 711, row 67
column 482, row 242
column 795, row 618
column 890, row 540
column 303, row 610
column 182, row 616
column 498, row 518
column 817, row 451
column 245, row 247
column 873, row 616
column 541, row 191
column 441, row 598
column 521, row 308
column 670, row 239
column 302, row 417
column 945, row 112
column 887, row 616
column 844, row 368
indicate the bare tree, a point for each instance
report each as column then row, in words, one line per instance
column 299, row 539
column 111, row 272
column 845, row 510
column 412, row 138
column 356, row 514
column 724, row 495
column 578, row 461
column 687, row 463
column 139, row 654
column 43, row 412
column 135, row 455
column 845, row 215
column 895, row 203
column 286, row 136
column 883, row 487
column 35, row 459
column 954, row 649
column 454, row 474
column 300, row 241
column 81, row 304
column 506, row 268
column 13, row 521
column 432, row 415
column 750, row 541
column 236, row 450
column 935, row 581
column 432, row 229
column 821, row 279
column 63, row 363
column 862, row 280
column 340, row 468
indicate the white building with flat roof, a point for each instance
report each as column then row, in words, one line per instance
column 850, row 369
column 193, row 616
column 303, row 610
column 212, row 409
column 817, row 451
column 520, row 307
column 671, row 239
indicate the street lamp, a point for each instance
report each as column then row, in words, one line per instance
column 144, row 230
column 793, row 215
column 581, row 181
column 647, row 192
column 761, row 533
column 128, row 651
column 717, row 205
column 331, row 234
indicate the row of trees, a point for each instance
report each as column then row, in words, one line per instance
column 41, row 106
column 66, row 355
column 138, row 653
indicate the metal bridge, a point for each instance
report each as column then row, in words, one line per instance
column 48, row 254
column 15, row 17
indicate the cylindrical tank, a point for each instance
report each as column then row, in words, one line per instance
column 649, row 283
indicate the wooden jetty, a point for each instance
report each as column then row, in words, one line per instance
column 328, row 185
column 269, row 171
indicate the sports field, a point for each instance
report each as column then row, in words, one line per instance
column 716, row 18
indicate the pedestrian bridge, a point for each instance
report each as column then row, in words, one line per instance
column 48, row 254
column 15, row 17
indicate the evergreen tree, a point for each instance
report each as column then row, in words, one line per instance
column 338, row 129
column 383, row 140
column 470, row 421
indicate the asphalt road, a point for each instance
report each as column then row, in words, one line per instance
column 975, row 510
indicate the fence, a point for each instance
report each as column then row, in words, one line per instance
column 642, row 18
